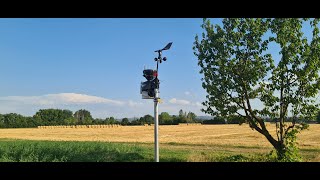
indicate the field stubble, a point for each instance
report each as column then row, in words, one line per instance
column 209, row 135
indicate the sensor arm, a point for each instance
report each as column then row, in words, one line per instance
column 168, row 46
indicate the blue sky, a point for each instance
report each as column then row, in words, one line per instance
column 84, row 63
column 97, row 64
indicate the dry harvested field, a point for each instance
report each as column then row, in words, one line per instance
column 194, row 135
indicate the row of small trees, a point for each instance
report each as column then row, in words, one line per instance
column 53, row 117
column 164, row 119
column 235, row 119
column 232, row 119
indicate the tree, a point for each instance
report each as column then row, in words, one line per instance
column 175, row 120
column 1, row 121
column 191, row 117
column 165, row 118
column 318, row 117
column 238, row 70
column 83, row 116
column 215, row 120
column 111, row 120
column 125, row 121
column 13, row 120
column 70, row 121
column 182, row 116
column 181, row 113
column 235, row 119
column 219, row 120
column 134, row 122
column 147, row 119
column 52, row 116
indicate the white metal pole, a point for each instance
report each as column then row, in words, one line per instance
column 156, row 125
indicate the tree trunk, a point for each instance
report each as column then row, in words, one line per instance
column 279, row 146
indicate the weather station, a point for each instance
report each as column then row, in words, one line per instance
column 150, row 90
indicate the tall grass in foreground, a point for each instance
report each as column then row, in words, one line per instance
column 74, row 151
column 63, row 151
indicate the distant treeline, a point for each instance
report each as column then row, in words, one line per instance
column 234, row 119
column 221, row 120
column 54, row 117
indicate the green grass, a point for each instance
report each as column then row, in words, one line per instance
column 55, row 151
column 75, row 151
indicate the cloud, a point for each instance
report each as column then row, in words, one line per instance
column 198, row 104
column 100, row 107
column 62, row 98
column 190, row 94
column 179, row 101
column 182, row 102
column 134, row 104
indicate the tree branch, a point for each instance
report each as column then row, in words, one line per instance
column 250, row 118
column 290, row 127
column 235, row 101
column 240, row 114
column 281, row 110
column 277, row 131
column 260, row 121
column 263, row 130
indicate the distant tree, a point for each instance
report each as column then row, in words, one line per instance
column 148, row 119
column 30, row 122
column 175, row 119
column 1, row 121
column 98, row 121
column 38, row 121
column 135, row 122
column 70, row 121
column 235, row 119
column 111, row 120
column 215, row 120
column 83, row 116
column 125, row 121
column 191, row 117
column 181, row 114
column 219, row 120
column 165, row 118
column 13, row 120
column 52, row 116
column 238, row 69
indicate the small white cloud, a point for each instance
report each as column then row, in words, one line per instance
column 134, row 104
column 198, row 104
column 82, row 98
column 187, row 93
column 62, row 98
column 179, row 101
